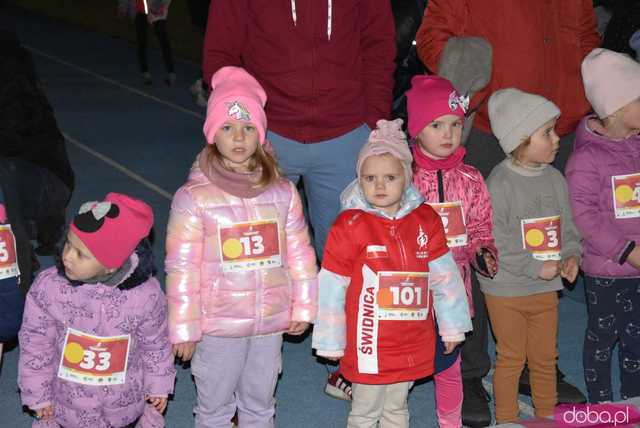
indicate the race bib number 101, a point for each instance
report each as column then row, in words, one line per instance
column 403, row 296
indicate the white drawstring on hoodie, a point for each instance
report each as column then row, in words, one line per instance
column 294, row 15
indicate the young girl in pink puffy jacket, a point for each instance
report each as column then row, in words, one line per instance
column 240, row 267
column 458, row 193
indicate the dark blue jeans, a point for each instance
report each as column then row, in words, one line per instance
column 614, row 318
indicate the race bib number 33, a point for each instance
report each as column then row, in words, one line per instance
column 541, row 237
column 626, row 195
column 250, row 246
column 94, row 360
column 8, row 259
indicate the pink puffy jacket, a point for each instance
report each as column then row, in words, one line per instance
column 205, row 300
column 465, row 184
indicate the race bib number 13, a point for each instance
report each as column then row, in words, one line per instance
column 541, row 236
column 8, row 259
column 94, row 360
column 250, row 246
column 626, row 195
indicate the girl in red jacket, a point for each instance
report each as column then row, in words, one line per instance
column 459, row 195
column 386, row 276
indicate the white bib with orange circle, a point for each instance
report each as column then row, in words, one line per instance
column 452, row 216
column 626, row 195
column 249, row 246
column 94, row 360
column 8, row 259
column 542, row 237
column 403, row 296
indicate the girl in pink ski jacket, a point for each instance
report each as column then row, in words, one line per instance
column 458, row 193
column 240, row 267
column 94, row 344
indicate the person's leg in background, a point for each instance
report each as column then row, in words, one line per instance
column 162, row 34
column 509, row 323
column 476, row 363
column 542, row 337
column 332, row 167
column 141, row 37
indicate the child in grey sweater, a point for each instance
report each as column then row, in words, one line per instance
column 538, row 244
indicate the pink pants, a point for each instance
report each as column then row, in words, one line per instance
column 448, row 391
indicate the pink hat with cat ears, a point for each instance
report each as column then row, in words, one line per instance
column 235, row 96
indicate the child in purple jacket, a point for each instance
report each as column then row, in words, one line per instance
column 94, row 342
column 603, row 174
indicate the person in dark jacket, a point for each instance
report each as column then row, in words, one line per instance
column 11, row 298
column 35, row 173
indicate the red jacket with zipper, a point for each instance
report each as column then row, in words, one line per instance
column 403, row 349
column 324, row 74
column 538, row 47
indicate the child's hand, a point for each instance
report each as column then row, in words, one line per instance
column 634, row 257
column 450, row 346
column 489, row 261
column 296, row 328
column 550, row 269
column 160, row 403
column 569, row 269
column 184, row 350
column 44, row 413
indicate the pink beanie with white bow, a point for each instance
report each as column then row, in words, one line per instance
column 429, row 98
column 236, row 96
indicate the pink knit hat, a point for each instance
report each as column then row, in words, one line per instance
column 237, row 96
column 611, row 80
column 112, row 229
column 388, row 138
column 429, row 98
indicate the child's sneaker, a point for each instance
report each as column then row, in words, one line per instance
column 338, row 387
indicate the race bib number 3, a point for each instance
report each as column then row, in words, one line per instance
column 250, row 246
column 403, row 296
column 94, row 360
column 541, row 237
column 8, row 259
column 452, row 216
column 626, row 195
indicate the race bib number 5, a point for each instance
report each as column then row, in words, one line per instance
column 403, row 296
column 94, row 360
column 541, row 237
column 626, row 195
column 8, row 259
column 249, row 246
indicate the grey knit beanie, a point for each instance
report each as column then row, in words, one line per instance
column 515, row 115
